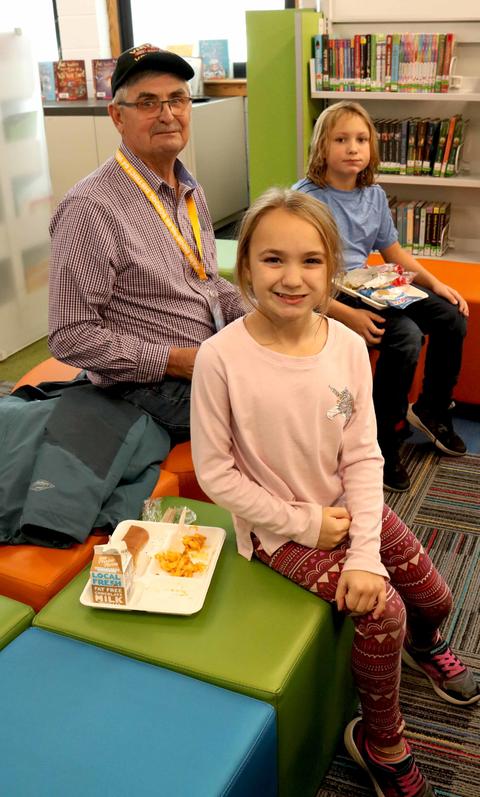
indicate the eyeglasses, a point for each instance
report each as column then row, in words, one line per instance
column 152, row 106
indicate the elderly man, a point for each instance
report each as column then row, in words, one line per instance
column 134, row 287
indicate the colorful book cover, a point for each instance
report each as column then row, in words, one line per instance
column 421, row 235
column 46, row 71
column 368, row 61
column 416, row 228
column 449, row 50
column 317, row 52
column 214, row 54
column 388, row 62
column 443, row 224
column 391, row 145
column 395, row 61
column 400, row 221
column 410, row 224
column 326, row 63
column 403, row 146
column 420, row 145
column 412, row 141
column 434, row 229
column 442, row 137
column 458, row 135
column 357, row 65
column 381, row 125
column 430, row 135
column 397, row 145
column 448, row 145
column 427, row 249
column 102, row 70
column 439, row 64
column 71, row 80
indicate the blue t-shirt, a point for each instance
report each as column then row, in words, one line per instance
column 362, row 215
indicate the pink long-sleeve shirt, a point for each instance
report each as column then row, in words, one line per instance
column 276, row 438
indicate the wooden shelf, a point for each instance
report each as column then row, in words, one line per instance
column 229, row 87
column 458, row 181
column 449, row 96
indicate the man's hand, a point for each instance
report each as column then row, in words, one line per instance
column 360, row 592
column 334, row 528
column 180, row 362
column 367, row 324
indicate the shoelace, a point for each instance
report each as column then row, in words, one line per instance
column 446, row 661
column 411, row 782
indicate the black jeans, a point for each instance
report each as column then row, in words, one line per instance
column 399, row 352
column 168, row 402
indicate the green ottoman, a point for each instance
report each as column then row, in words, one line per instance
column 257, row 633
column 15, row 617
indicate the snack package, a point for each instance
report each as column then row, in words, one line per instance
column 156, row 511
column 385, row 284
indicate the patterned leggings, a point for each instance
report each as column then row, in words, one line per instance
column 416, row 595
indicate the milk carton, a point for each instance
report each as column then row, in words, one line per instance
column 111, row 574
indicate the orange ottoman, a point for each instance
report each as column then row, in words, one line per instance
column 32, row 574
column 179, row 461
column 465, row 278
column 50, row 370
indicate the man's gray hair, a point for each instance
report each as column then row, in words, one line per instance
column 121, row 93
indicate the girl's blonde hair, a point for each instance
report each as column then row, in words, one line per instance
column 317, row 161
column 304, row 207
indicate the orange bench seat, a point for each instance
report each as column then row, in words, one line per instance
column 465, row 278
column 32, row 574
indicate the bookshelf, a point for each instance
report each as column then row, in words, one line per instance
column 282, row 107
column 463, row 189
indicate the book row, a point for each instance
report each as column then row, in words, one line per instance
column 66, row 80
column 401, row 62
column 422, row 226
column 420, row 146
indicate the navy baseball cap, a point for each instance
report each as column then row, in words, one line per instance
column 146, row 57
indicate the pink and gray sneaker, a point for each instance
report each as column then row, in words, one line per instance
column 449, row 676
column 400, row 779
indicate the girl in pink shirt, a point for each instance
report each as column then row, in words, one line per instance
column 284, row 437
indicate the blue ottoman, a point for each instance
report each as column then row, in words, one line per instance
column 80, row 720
column 14, row 618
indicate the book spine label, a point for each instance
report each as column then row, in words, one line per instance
column 325, row 66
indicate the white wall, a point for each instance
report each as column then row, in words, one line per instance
column 83, row 26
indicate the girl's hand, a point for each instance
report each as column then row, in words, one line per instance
column 334, row 528
column 451, row 295
column 360, row 592
column 366, row 323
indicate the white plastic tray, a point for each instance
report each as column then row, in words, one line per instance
column 154, row 589
column 412, row 290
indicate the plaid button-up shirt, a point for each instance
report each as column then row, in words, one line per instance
column 121, row 291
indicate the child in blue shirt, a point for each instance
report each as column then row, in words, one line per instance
column 341, row 173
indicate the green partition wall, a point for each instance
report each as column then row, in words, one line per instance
column 280, row 111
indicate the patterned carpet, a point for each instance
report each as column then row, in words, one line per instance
column 443, row 509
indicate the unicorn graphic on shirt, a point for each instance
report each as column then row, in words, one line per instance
column 344, row 405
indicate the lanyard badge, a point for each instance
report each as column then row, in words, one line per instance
column 196, row 264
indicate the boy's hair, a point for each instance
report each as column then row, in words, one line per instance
column 317, row 161
column 304, row 207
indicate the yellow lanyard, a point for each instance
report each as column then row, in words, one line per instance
column 152, row 197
